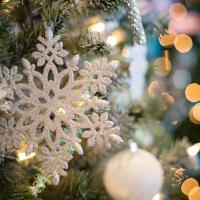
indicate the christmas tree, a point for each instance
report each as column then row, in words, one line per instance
column 99, row 100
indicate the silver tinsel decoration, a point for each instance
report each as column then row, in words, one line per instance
column 135, row 21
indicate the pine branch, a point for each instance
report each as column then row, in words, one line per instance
column 76, row 185
column 5, row 37
column 94, row 45
column 16, row 192
column 15, row 182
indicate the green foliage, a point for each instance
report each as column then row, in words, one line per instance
column 76, row 185
column 17, row 192
column 5, row 37
column 15, row 182
column 94, row 45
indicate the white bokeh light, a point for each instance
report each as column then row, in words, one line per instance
column 181, row 79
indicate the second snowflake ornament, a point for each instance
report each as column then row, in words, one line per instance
column 52, row 107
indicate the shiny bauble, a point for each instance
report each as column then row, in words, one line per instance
column 133, row 176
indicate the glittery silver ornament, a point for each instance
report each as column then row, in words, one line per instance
column 135, row 21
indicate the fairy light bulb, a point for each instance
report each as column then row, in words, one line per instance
column 194, row 149
column 22, row 156
column 99, row 27
column 183, row 43
column 112, row 41
column 192, row 92
column 116, row 37
column 178, row 11
column 158, row 196
column 61, row 111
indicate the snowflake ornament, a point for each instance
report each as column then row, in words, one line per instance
column 57, row 105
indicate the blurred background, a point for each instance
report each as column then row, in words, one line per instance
column 155, row 100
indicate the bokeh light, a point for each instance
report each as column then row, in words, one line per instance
column 194, row 194
column 167, row 40
column 168, row 98
column 177, row 11
column 183, row 43
column 192, row 118
column 192, row 92
column 194, row 149
column 112, row 41
column 116, row 37
column 159, row 196
column 188, row 185
column 125, row 52
column 162, row 66
column 196, row 112
column 98, row 27
column 181, row 79
column 154, row 88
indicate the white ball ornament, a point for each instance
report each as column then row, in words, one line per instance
column 133, row 176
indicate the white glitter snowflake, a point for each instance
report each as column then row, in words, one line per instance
column 56, row 108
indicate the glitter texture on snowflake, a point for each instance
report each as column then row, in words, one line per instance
column 57, row 105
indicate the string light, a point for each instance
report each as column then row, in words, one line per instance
column 22, row 156
column 162, row 65
column 177, row 11
column 158, row 196
column 167, row 40
column 192, row 92
column 98, row 27
column 112, row 41
column 154, row 88
column 192, row 118
column 196, row 112
column 61, row 111
column 194, row 149
column 168, row 98
column 183, row 43
column 116, row 37
column 125, row 52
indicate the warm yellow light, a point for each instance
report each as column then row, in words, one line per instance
column 194, row 193
column 196, row 112
column 167, row 40
column 5, row 1
column 158, row 196
column 98, row 27
column 22, row 156
column 162, row 66
column 194, row 149
column 188, row 185
column 116, row 37
column 125, row 52
column 168, row 98
column 191, row 116
column 192, row 92
column 183, row 43
column 79, row 104
column 112, row 41
column 177, row 11
column 119, row 34
column 154, row 88
column 61, row 111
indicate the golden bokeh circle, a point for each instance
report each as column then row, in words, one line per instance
column 192, row 118
column 188, row 185
column 196, row 112
column 177, row 11
column 183, row 43
column 162, row 66
column 194, row 194
column 192, row 92
column 154, row 88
